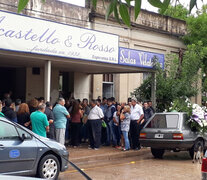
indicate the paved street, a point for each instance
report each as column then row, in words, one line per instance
column 174, row 166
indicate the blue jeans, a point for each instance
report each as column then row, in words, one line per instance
column 110, row 133
column 117, row 135
column 126, row 139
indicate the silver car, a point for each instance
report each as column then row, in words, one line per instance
column 23, row 152
column 169, row 131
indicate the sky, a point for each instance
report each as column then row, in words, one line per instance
column 75, row 2
column 145, row 4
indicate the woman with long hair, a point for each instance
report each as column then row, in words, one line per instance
column 33, row 104
column 23, row 115
column 76, row 115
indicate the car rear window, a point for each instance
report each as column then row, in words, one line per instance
column 169, row 121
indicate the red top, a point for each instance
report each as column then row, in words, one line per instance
column 76, row 118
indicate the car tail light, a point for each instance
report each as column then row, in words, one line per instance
column 204, row 165
column 143, row 136
column 178, row 136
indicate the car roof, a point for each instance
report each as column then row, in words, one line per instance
column 171, row 113
column 5, row 119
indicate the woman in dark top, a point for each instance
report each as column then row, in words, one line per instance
column 76, row 115
column 23, row 115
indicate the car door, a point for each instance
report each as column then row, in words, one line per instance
column 16, row 155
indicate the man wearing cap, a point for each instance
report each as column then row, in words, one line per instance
column 137, row 115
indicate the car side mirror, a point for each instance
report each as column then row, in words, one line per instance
column 23, row 137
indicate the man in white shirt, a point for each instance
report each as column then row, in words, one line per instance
column 95, row 123
column 137, row 115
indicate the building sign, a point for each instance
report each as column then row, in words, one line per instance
column 32, row 35
column 143, row 59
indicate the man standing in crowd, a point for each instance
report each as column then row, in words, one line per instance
column 50, row 118
column 40, row 124
column 150, row 106
column 84, row 129
column 98, row 102
column 61, row 115
column 109, row 122
column 95, row 121
column 137, row 115
column 104, row 105
column 8, row 111
column 147, row 114
column 113, row 101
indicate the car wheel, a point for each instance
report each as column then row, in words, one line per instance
column 197, row 147
column 157, row 153
column 49, row 167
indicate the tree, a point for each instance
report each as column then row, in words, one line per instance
column 197, row 31
column 178, row 11
column 177, row 80
column 119, row 8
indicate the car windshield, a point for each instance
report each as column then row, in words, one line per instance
column 169, row 121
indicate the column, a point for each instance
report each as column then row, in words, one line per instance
column 47, row 80
column 153, row 90
column 81, row 85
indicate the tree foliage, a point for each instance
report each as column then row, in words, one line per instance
column 177, row 80
column 197, row 31
column 178, row 11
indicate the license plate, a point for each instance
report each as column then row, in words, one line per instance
column 159, row 136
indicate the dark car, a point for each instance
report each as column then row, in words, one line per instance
column 23, row 152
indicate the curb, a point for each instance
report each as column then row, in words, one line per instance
column 109, row 156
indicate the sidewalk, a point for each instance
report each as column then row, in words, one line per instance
column 82, row 154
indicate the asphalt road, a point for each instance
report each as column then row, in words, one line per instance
column 174, row 166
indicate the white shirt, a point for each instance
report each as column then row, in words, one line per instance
column 95, row 113
column 116, row 117
column 136, row 112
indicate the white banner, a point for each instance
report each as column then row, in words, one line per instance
column 32, row 35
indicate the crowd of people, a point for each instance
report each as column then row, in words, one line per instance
column 72, row 122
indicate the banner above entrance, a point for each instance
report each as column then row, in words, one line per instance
column 33, row 35
column 143, row 59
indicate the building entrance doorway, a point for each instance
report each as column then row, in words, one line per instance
column 108, row 90
column 13, row 81
column 66, row 84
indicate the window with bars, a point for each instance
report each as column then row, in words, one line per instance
column 108, row 78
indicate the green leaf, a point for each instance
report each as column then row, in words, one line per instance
column 192, row 4
column 94, row 3
column 109, row 10
column 123, row 10
column 43, row 1
column 128, row 2
column 137, row 8
column 116, row 14
column 166, row 3
column 156, row 3
column 22, row 4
